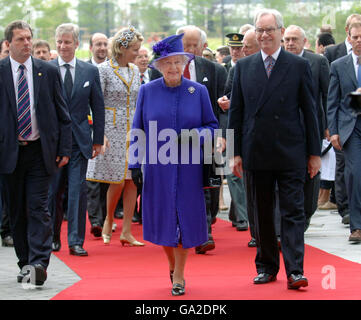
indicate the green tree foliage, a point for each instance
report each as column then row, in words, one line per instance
column 12, row 10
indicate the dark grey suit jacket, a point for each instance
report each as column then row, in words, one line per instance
column 332, row 53
column 265, row 113
column 343, row 80
column 321, row 77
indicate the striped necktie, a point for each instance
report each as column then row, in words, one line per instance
column 23, row 103
column 270, row 62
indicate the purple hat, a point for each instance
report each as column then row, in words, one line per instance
column 170, row 46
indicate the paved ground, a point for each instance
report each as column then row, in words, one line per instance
column 326, row 232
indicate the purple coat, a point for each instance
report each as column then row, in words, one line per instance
column 173, row 198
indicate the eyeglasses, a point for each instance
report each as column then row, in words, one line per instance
column 269, row 31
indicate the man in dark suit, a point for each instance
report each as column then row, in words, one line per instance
column 270, row 88
column 294, row 41
column 345, row 127
column 333, row 53
column 35, row 139
column 82, row 90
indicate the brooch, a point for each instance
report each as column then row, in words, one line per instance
column 191, row 89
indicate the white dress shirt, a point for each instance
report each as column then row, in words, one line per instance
column 72, row 64
column 354, row 60
column 28, row 64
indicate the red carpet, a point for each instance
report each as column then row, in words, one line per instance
column 129, row 273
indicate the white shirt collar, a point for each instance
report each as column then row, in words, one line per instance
column 348, row 46
column 301, row 54
column 61, row 62
column 354, row 58
column 15, row 65
column 274, row 55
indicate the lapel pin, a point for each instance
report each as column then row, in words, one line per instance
column 40, row 74
column 191, row 89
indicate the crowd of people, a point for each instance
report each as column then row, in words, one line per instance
column 67, row 126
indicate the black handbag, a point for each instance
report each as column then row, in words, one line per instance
column 210, row 177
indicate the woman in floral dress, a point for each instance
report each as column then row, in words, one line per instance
column 120, row 82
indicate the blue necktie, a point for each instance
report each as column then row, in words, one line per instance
column 359, row 71
column 23, row 103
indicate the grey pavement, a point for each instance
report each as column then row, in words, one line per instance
column 326, row 232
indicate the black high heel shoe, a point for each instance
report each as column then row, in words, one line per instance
column 178, row 289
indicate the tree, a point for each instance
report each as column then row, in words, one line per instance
column 12, row 10
column 97, row 16
column 50, row 14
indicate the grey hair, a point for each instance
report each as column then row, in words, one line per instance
column 292, row 26
column 157, row 63
column 203, row 37
column 66, row 28
column 274, row 12
column 192, row 27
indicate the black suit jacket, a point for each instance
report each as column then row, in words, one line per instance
column 51, row 113
column 332, row 53
column 265, row 113
column 321, row 78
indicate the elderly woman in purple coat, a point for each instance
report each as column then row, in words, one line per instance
column 174, row 213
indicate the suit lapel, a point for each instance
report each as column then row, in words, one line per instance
column 37, row 76
column 6, row 70
column 350, row 70
column 78, row 78
column 279, row 71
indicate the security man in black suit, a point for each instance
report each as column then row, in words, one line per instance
column 35, row 140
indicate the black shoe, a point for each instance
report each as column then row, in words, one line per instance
column 56, row 245
column 34, row 274
column 206, row 246
column 96, row 230
column 252, row 243
column 7, row 241
column 264, row 278
column 77, row 251
column 296, row 281
column 178, row 289
column 346, row 219
column 241, row 226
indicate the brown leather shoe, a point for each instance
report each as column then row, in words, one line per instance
column 355, row 236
